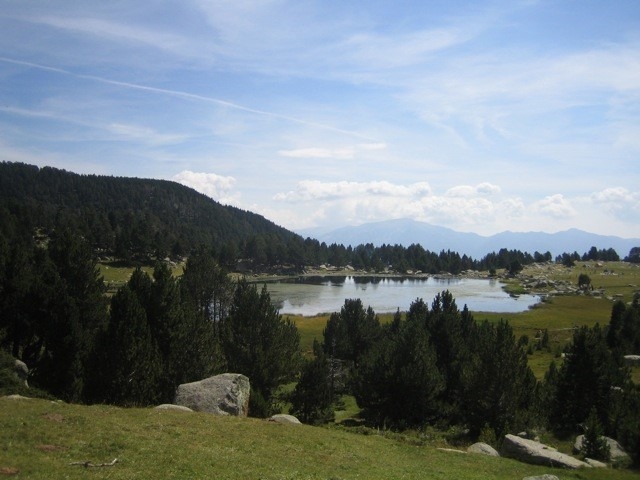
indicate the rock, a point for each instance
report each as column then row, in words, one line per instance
column 546, row 476
column 483, row 449
column 285, row 419
column 632, row 360
column 617, row 452
column 529, row 436
column 17, row 397
column 21, row 370
column 536, row 453
column 226, row 394
column 170, row 406
column 451, row 450
column 595, row 463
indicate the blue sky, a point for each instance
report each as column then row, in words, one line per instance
column 480, row 116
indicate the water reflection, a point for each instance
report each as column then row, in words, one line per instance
column 317, row 294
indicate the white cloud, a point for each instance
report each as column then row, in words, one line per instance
column 360, row 202
column 619, row 202
column 215, row 186
column 556, row 206
column 114, row 30
column 485, row 188
column 308, row 190
column 342, row 153
column 615, row 195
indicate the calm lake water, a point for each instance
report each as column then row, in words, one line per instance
column 314, row 295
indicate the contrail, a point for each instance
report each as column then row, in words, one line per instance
column 185, row 95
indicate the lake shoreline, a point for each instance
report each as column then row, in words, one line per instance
column 306, row 294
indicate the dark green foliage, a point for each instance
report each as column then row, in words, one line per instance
column 515, row 267
column 51, row 306
column 584, row 281
column 608, row 255
column 185, row 343
column 594, row 445
column 498, row 385
column 312, row 399
column 628, row 423
column 592, row 389
column 587, row 379
column 257, row 342
column 568, row 259
column 208, row 285
column 127, row 362
column 623, row 334
column 350, row 333
column 398, row 382
column 129, row 217
column 426, row 369
column 634, row 255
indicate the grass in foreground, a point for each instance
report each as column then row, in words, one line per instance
column 40, row 439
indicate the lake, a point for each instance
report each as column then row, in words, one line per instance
column 314, row 295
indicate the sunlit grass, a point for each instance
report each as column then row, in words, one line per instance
column 41, row 439
column 116, row 274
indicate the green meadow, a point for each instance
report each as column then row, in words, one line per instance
column 42, row 439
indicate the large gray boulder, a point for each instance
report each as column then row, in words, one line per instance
column 617, row 452
column 226, row 394
column 483, row 449
column 536, row 453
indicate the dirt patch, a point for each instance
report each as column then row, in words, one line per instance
column 54, row 417
column 9, row 471
column 49, row 448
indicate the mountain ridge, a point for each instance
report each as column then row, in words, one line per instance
column 406, row 231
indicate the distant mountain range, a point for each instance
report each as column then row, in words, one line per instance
column 406, row 231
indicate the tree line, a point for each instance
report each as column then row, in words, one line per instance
column 140, row 220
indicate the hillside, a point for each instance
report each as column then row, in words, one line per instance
column 41, row 439
column 127, row 216
column 406, row 232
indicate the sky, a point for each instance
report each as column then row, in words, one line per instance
column 480, row 116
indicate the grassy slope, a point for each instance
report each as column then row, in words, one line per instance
column 41, row 438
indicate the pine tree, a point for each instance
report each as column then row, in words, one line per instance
column 350, row 333
column 585, row 381
column 498, row 385
column 257, row 342
column 312, row 399
column 594, row 445
column 127, row 365
column 397, row 381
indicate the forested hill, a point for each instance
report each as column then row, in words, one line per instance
column 125, row 216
